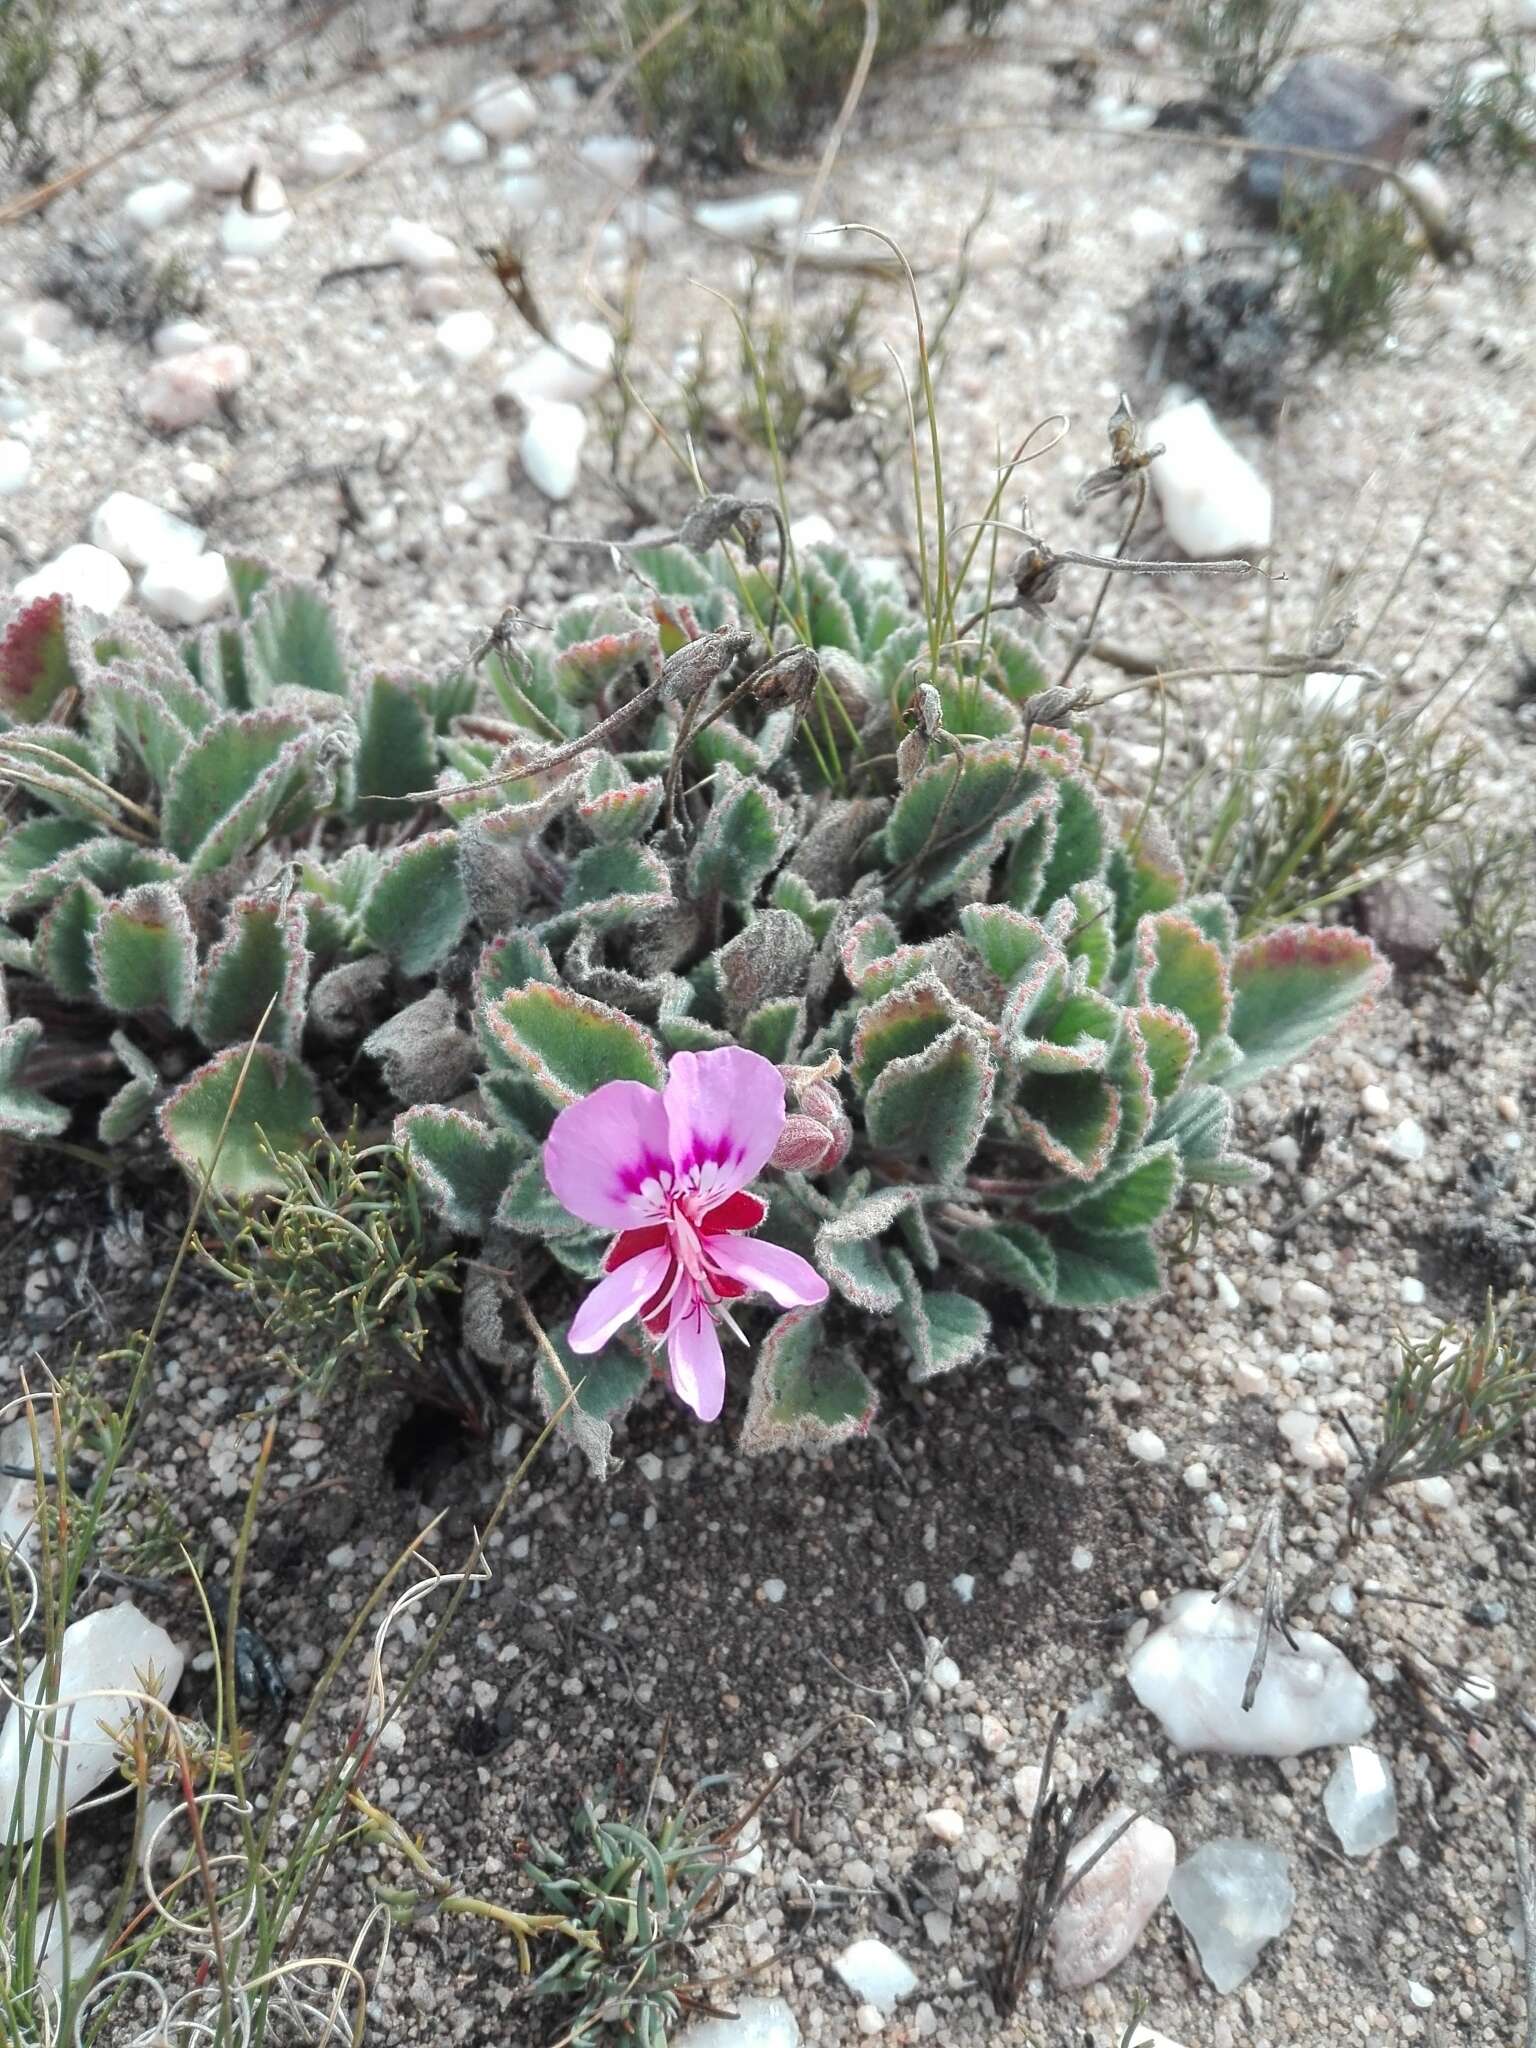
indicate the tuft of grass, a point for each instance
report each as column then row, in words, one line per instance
column 1491, row 877
column 344, row 1263
column 631, row 1895
column 41, row 77
column 1488, row 116
column 739, row 74
column 28, row 52
column 1312, row 807
column 1060, row 1823
column 1354, row 261
column 1457, row 1394
column 1237, row 43
column 820, row 370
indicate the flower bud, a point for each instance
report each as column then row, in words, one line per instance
column 821, row 1101
column 808, row 1146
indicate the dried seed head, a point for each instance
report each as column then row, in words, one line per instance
column 719, row 516
column 702, row 662
column 911, row 758
column 710, row 521
column 925, row 711
column 1036, row 577
column 1051, row 707
column 790, row 678
column 1127, row 457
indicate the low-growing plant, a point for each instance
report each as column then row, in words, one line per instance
column 108, row 282
column 1322, row 789
column 1353, row 262
column 993, row 1037
column 1489, row 877
column 632, row 1895
column 835, row 873
column 1457, row 1394
column 1237, row 43
column 1488, row 115
column 342, row 1263
column 742, row 73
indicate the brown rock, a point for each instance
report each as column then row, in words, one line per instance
column 1406, row 922
column 1324, row 103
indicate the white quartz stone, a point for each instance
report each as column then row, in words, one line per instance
column 1361, row 1802
column 1191, row 1673
column 1234, row 1898
column 109, row 1652
column 1213, row 501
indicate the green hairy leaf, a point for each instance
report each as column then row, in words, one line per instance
column 746, row 837
column 807, row 1394
column 417, row 909
column 463, row 1165
column 24, row 1113
column 570, row 1045
column 261, row 956
column 273, row 1111
column 143, row 953
column 931, row 1106
column 1291, row 988
column 836, row 836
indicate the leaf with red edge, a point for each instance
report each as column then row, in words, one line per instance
column 1145, row 876
column 34, row 661
column 274, row 1111
column 807, row 1394
column 569, row 1044
column 1292, row 987
column 1177, row 965
column 933, row 1105
column 620, row 647
column 1074, row 1119
column 23, row 1112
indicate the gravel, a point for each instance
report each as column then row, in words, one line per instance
column 612, row 1617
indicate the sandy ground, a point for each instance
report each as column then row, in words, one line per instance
column 613, row 1613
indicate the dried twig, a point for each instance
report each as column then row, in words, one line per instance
column 1057, row 1827
column 1272, row 1608
column 691, row 670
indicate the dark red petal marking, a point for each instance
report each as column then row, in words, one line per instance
column 727, row 1288
column 629, row 1244
column 737, row 1212
column 659, row 1305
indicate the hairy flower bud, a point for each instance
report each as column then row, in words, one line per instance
column 816, row 1133
column 808, row 1146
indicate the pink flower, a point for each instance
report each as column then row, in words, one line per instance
column 666, row 1170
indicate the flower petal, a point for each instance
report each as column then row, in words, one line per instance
column 629, row 1244
column 602, row 1150
column 736, row 1212
column 616, row 1300
column 694, row 1354
column 782, row 1275
column 725, row 1110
